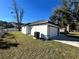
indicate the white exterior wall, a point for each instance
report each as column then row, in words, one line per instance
column 26, row 29
column 45, row 30
column 40, row 28
column 62, row 30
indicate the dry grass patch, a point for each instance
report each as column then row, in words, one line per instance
column 73, row 34
column 30, row 48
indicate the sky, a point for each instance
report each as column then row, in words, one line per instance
column 33, row 9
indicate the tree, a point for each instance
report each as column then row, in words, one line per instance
column 19, row 13
column 73, row 26
column 67, row 13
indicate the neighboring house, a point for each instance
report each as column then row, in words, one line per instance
column 62, row 30
column 73, row 27
column 45, row 29
column 67, row 28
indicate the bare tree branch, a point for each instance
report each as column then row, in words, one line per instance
column 19, row 13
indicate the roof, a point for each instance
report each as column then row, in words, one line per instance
column 39, row 22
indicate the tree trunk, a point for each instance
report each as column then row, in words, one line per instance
column 19, row 27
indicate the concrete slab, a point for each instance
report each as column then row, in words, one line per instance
column 73, row 43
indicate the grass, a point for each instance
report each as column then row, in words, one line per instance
column 30, row 48
column 73, row 34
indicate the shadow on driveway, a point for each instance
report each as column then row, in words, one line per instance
column 65, row 37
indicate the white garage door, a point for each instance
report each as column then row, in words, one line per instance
column 52, row 31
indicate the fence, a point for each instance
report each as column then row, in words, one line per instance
column 3, row 31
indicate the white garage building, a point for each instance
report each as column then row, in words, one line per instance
column 45, row 28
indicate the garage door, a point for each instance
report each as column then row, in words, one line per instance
column 52, row 31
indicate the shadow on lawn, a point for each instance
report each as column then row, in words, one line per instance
column 7, row 44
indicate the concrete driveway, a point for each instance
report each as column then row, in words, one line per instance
column 73, row 43
column 67, row 40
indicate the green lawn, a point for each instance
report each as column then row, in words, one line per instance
column 30, row 48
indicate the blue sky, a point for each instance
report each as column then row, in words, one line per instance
column 34, row 9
